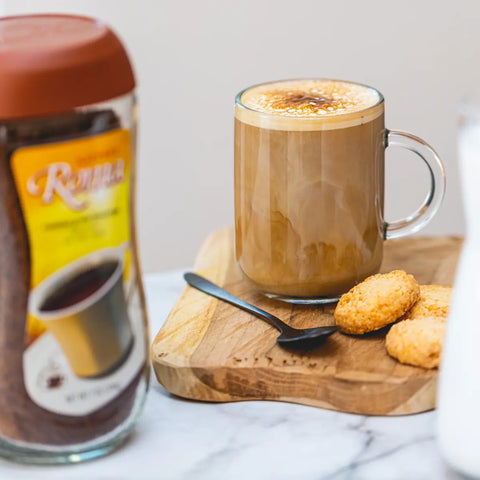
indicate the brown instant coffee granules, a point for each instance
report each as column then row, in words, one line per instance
column 21, row 418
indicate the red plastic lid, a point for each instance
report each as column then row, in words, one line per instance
column 54, row 63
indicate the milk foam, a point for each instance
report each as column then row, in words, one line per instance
column 308, row 104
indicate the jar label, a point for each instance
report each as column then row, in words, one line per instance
column 85, row 340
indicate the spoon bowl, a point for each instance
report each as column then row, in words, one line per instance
column 291, row 338
column 306, row 339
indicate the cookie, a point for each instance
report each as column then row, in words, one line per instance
column 417, row 342
column 376, row 302
column 434, row 301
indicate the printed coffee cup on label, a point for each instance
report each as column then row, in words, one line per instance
column 83, row 306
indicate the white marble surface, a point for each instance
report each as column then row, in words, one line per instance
column 179, row 439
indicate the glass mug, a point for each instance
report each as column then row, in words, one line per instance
column 309, row 187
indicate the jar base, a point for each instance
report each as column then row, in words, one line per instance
column 33, row 456
column 39, row 454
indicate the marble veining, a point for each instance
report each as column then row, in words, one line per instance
column 181, row 439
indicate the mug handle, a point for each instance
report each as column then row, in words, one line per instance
column 418, row 219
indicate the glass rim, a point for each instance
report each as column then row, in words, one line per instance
column 238, row 98
column 469, row 104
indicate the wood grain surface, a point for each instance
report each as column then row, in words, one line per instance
column 211, row 351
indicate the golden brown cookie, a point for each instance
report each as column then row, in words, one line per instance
column 434, row 301
column 417, row 342
column 376, row 302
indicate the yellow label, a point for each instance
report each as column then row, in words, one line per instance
column 75, row 200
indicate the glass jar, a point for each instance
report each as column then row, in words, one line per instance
column 458, row 418
column 74, row 362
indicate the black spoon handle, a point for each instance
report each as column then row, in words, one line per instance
column 210, row 288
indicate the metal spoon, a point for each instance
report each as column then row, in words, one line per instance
column 302, row 339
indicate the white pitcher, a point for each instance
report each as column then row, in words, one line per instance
column 459, row 384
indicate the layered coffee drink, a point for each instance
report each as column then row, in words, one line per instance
column 309, row 186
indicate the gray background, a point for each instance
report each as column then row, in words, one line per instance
column 192, row 57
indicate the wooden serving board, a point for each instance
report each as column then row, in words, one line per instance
column 209, row 350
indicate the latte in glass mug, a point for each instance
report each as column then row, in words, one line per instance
column 309, row 187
